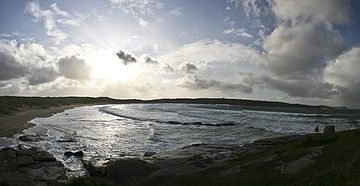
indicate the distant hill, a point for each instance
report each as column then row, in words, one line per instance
column 242, row 102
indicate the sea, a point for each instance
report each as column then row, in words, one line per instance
column 132, row 129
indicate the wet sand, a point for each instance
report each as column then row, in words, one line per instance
column 14, row 124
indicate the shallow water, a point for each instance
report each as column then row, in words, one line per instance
column 122, row 130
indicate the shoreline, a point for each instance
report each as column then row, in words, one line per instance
column 17, row 123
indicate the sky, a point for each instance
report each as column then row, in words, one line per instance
column 297, row 51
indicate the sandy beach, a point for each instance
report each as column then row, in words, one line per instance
column 14, row 124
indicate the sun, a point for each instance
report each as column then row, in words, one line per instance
column 106, row 66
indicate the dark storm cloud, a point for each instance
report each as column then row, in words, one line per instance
column 10, row 68
column 125, row 57
column 74, row 68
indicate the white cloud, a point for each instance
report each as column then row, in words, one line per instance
column 251, row 8
column 176, row 12
column 245, row 34
column 137, row 8
column 50, row 19
column 142, row 22
column 319, row 11
column 240, row 32
column 344, row 70
column 205, row 51
column 295, row 52
column 28, row 63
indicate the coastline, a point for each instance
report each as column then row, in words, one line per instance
column 15, row 124
column 332, row 158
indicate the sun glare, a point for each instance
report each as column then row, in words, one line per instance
column 105, row 65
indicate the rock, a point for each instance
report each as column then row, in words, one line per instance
column 68, row 153
column 149, row 153
column 24, row 160
column 118, row 171
column 66, row 140
column 30, row 137
column 329, row 129
column 79, row 154
column 43, row 156
column 30, row 166
column 8, row 159
column 174, row 122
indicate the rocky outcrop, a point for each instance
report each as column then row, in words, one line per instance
column 30, row 137
column 30, row 166
column 149, row 153
column 329, row 129
column 122, row 171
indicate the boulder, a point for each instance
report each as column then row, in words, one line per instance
column 30, row 137
column 68, row 153
column 77, row 154
column 329, row 129
column 30, row 166
column 24, row 160
column 149, row 153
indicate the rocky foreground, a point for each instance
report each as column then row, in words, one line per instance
column 30, row 166
column 315, row 159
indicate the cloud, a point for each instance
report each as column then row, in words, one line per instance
column 74, row 68
column 193, row 79
column 50, row 19
column 319, row 11
column 146, row 58
column 301, row 88
column 345, row 69
column 205, row 51
column 238, row 32
column 252, row 8
column 189, row 68
column 142, row 22
column 344, row 73
column 211, row 64
column 295, row 52
column 176, row 12
column 137, row 8
column 41, row 75
column 194, row 82
column 167, row 68
column 125, row 57
column 10, row 68
column 27, row 63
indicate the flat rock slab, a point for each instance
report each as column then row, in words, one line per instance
column 30, row 166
